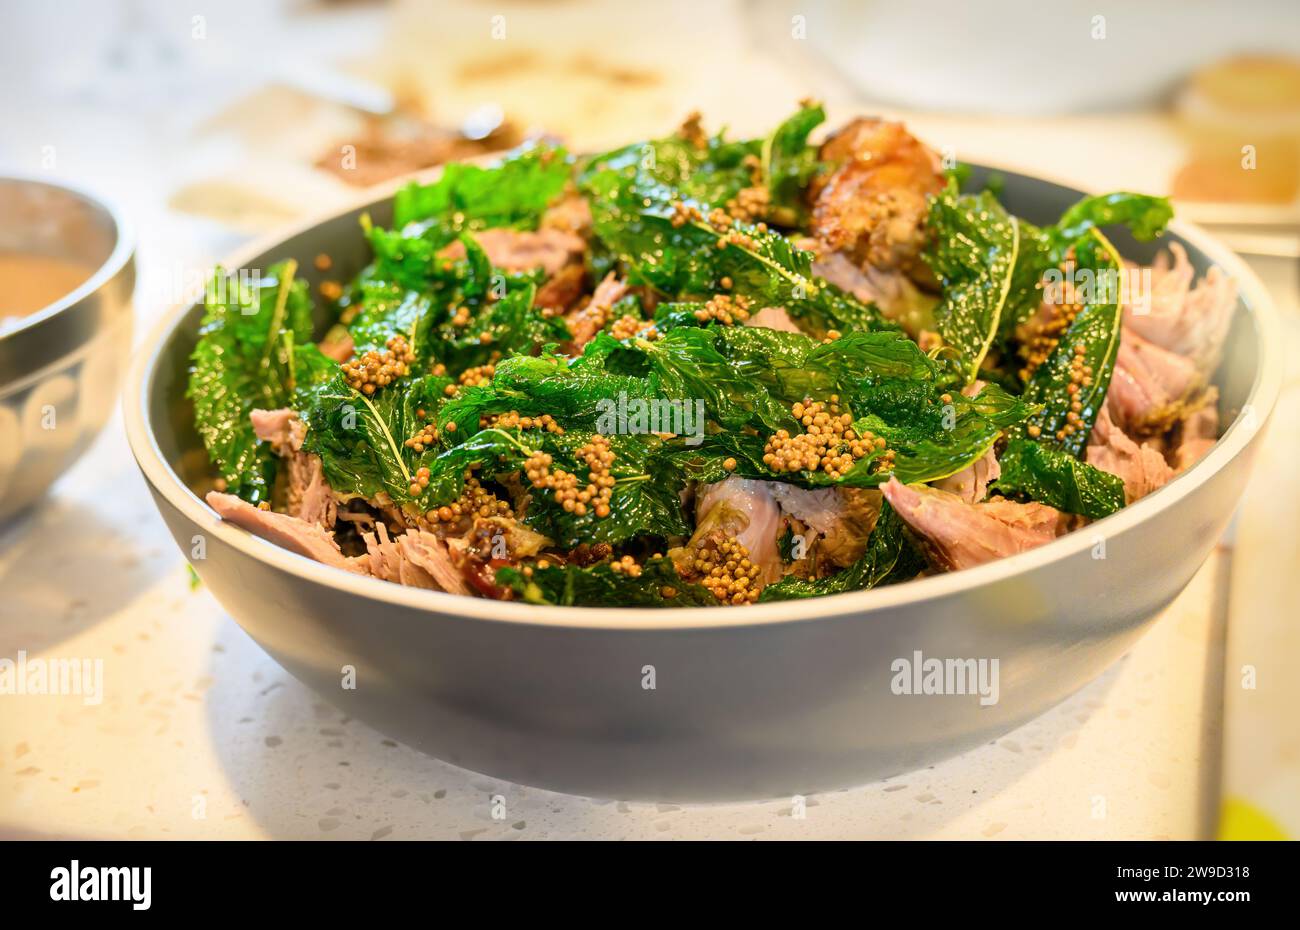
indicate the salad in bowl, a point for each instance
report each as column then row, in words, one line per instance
column 697, row 371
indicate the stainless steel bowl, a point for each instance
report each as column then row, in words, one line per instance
column 697, row 704
column 60, row 367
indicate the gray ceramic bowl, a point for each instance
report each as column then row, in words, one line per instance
column 762, row 701
column 61, row 366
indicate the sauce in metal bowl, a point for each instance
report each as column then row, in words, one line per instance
column 33, row 282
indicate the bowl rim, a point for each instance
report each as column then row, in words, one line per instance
column 167, row 483
column 118, row 258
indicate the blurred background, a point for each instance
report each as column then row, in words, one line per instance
column 245, row 114
column 213, row 122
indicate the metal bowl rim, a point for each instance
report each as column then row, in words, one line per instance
column 162, row 477
column 118, row 258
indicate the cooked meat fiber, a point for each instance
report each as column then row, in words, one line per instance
column 513, row 250
column 416, row 558
column 1190, row 321
column 971, row 484
column 956, row 535
column 773, row 318
column 839, row 519
column 310, row 497
column 591, row 317
column 570, row 214
column 1147, row 385
column 309, row 539
column 272, row 426
column 1198, row 432
column 1142, row 467
column 1170, row 343
column 563, row 289
column 338, row 345
column 873, row 206
column 895, row 295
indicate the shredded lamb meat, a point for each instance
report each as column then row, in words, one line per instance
column 309, row 495
column 1142, row 467
column 513, row 250
column 956, row 535
column 309, row 539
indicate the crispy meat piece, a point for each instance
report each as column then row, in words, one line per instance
column 563, row 289
column 873, row 205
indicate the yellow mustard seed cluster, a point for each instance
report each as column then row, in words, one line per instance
column 628, row 327
column 1039, row 338
column 738, row 239
column 1080, row 377
column 597, row 313
column 374, row 370
column 750, row 204
column 474, row 500
column 726, row 570
column 419, row 481
column 726, row 309
column 626, row 566
column 424, row 437
column 828, row 442
column 1042, row 341
column 684, row 213
column 477, row 376
column 513, row 420
column 565, row 486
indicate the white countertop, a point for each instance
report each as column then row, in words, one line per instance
column 200, row 734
